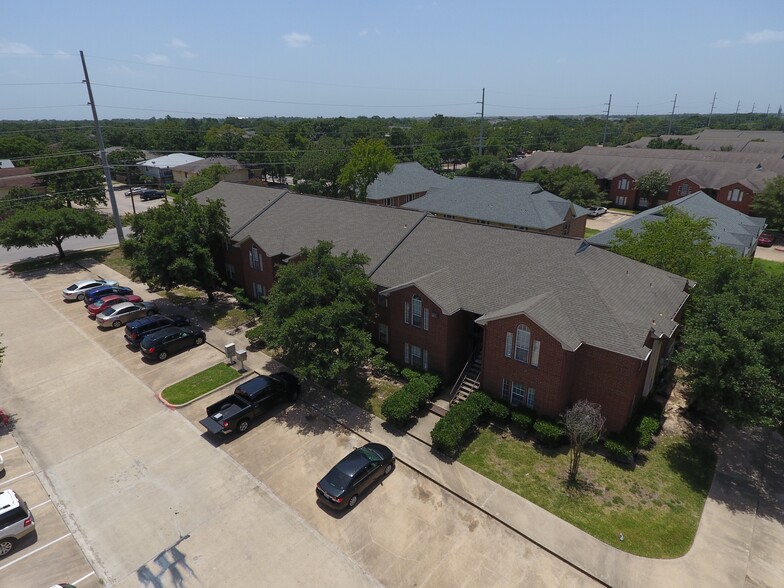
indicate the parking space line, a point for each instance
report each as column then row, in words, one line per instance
column 9, row 449
column 83, row 578
column 17, row 478
column 34, row 551
column 37, row 505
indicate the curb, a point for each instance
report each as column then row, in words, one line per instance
column 159, row 395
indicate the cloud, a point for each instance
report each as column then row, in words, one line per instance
column 297, row 40
column 61, row 55
column 15, row 48
column 155, row 59
column 368, row 32
column 764, row 36
column 178, row 43
column 756, row 38
column 187, row 54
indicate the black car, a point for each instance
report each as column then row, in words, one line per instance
column 354, row 474
column 94, row 294
column 151, row 194
column 165, row 342
column 136, row 330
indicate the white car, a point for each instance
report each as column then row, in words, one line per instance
column 16, row 520
column 596, row 210
column 76, row 291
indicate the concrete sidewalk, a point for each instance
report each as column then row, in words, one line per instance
column 740, row 539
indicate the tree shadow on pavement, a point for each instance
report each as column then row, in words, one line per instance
column 320, row 411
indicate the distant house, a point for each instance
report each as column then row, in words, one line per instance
column 19, row 177
column 6, row 163
column 730, row 228
column 160, row 168
column 238, row 173
column 501, row 203
column 731, row 178
column 770, row 142
column 548, row 320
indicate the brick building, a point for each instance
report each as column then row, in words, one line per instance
column 551, row 319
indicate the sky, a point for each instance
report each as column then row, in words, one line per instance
column 395, row 58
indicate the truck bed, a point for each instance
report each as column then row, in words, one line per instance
column 227, row 409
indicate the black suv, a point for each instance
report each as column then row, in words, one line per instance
column 136, row 330
column 164, row 342
column 150, row 194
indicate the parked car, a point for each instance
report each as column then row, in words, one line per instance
column 354, row 474
column 125, row 312
column 136, row 330
column 152, row 194
column 766, row 239
column 79, row 289
column 99, row 292
column 165, row 342
column 16, row 520
column 596, row 210
column 249, row 400
column 136, row 190
column 102, row 304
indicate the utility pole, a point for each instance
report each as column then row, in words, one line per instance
column 107, row 174
column 767, row 110
column 737, row 108
column 606, row 121
column 710, row 116
column 482, row 124
column 636, row 110
column 672, row 114
column 752, row 107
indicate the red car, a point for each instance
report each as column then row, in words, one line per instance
column 766, row 240
column 102, row 304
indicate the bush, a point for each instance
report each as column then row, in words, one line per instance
column 432, row 380
column 498, row 411
column 647, row 428
column 380, row 363
column 254, row 335
column 548, row 433
column 450, row 431
column 619, row 451
column 400, row 406
column 522, row 419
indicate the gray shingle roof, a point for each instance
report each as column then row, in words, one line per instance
column 710, row 169
column 202, row 164
column 405, row 178
column 241, row 202
column 522, row 204
column 713, row 140
column 730, row 227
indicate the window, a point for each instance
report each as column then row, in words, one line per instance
column 620, row 200
column 419, row 358
column 407, row 313
column 643, row 203
column 505, row 390
column 508, row 346
column 383, row 300
column 259, row 291
column 684, row 189
column 416, row 311
column 535, row 354
column 522, row 344
column 406, row 353
column 388, row 201
column 735, row 195
column 531, row 398
column 255, row 258
column 383, row 334
column 230, row 271
column 483, row 222
column 623, row 184
column 518, row 394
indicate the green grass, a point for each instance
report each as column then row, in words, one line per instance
column 657, row 505
column 368, row 393
column 774, row 268
column 199, row 384
column 590, row 232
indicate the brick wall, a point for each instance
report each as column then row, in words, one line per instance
column 630, row 192
column 265, row 277
column 746, row 197
column 681, row 188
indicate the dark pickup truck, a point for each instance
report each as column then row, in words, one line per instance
column 250, row 399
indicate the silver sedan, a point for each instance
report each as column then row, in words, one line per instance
column 77, row 291
column 116, row 316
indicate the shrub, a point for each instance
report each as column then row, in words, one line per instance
column 619, row 451
column 498, row 411
column 380, row 363
column 432, row 380
column 254, row 335
column 450, row 431
column 400, row 406
column 647, row 428
column 522, row 419
column 548, row 433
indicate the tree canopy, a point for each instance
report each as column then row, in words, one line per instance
column 82, row 183
column 653, row 184
column 204, row 180
column 770, row 202
column 567, row 181
column 320, row 166
column 369, row 157
column 175, row 243
column 319, row 312
column 488, row 166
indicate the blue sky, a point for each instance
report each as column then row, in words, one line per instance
column 367, row 57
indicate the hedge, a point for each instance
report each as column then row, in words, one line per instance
column 523, row 420
column 548, row 433
column 400, row 406
column 618, row 450
column 647, row 428
column 452, row 429
column 498, row 411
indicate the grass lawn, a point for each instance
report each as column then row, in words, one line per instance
column 774, row 268
column 199, row 384
column 590, row 232
column 369, row 394
column 657, row 505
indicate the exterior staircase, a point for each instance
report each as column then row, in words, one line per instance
column 468, row 381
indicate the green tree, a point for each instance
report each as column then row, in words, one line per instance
column 16, row 199
column 488, row 166
column 320, row 166
column 319, row 312
column 19, row 147
column 175, row 243
column 225, row 141
column 72, row 179
column 124, row 161
column 369, row 157
column 37, row 224
column 204, row 180
column 770, row 202
column 567, row 181
column 653, row 184
column 680, row 243
column 659, row 143
column 428, row 157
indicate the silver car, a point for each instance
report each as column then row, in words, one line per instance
column 16, row 520
column 125, row 312
column 77, row 291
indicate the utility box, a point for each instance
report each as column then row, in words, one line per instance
column 231, row 351
column 242, row 357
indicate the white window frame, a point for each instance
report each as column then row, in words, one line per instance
column 684, row 189
column 517, row 394
column 623, row 184
column 406, row 353
column 505, row 390
column 509, row 345
column 230, row 272
column 383, row 300
column 735, row 195
column 643, row 203
column 620, row 200
column 259, row 291
column 383, row 334
column 416, row 311
column 522, row 348
column 535, row 354
column 255, row 258
column 406, row 313
column 531, row 399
